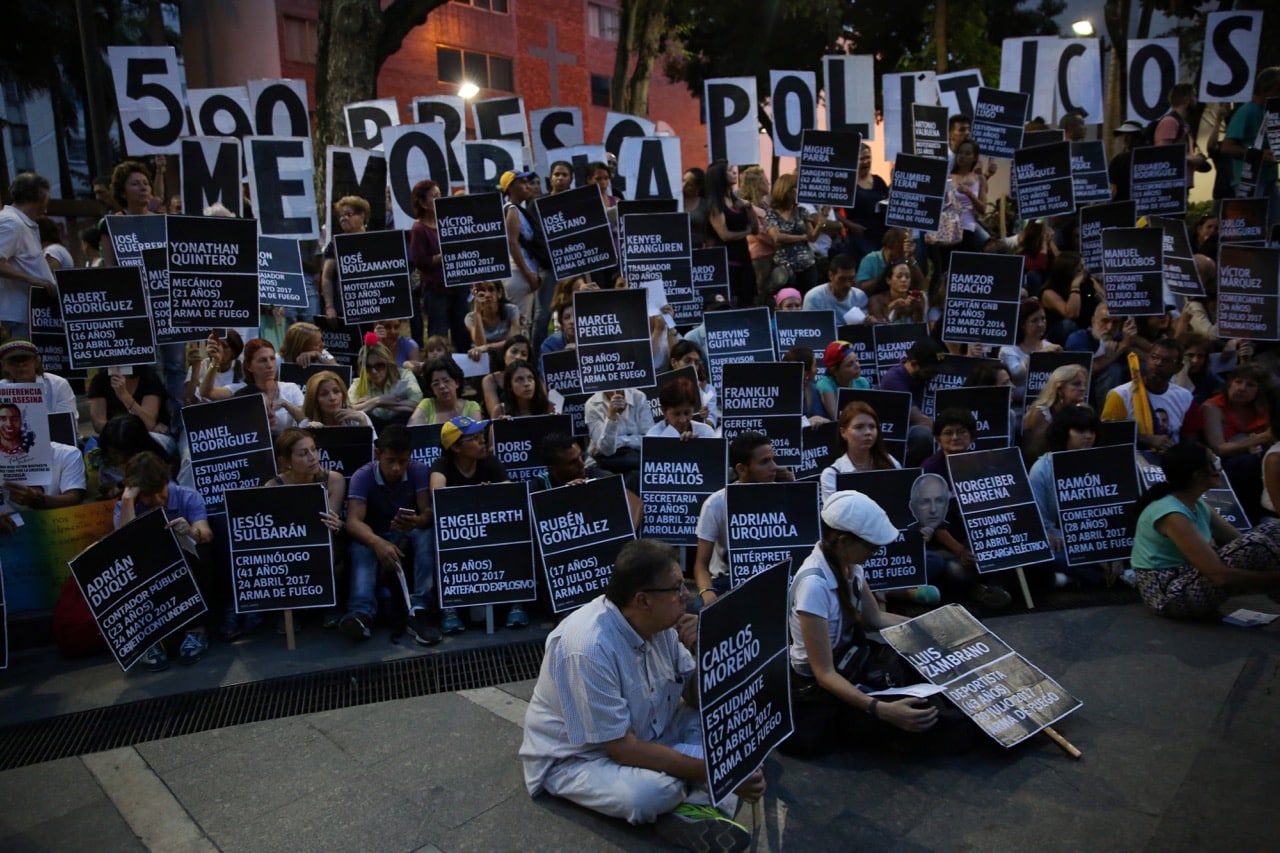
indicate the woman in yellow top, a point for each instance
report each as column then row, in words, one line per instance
column 444, row 379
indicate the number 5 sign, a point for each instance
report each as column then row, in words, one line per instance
column 149, row 97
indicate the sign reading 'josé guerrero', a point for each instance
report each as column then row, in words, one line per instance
column 281, row 552
column 676, row 478
column 373, row 276
column 769, row 523
column 577, row 231
column 580, row 530
column 104, row 313
column 473, row 239
column 613, row 340
column 1000, row 515
column 213, row 272
column 484, row 543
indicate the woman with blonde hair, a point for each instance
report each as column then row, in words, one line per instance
column 793, row 233
column 753, row 187
column 384, row 391
column 352, row 213
column 324, row 403
column 304, row 345
column 1067, row 386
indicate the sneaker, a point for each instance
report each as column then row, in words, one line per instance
column 1129, row 578
column 1061, row 580
column 703, row 828
column 422, row 631
column 231, row 630
column 925, row 595
column 450, row 623
column 991, row 597
column 355, row 626
column 155, row 660
column 332, row 619
column 194, row 645
column 517, row 618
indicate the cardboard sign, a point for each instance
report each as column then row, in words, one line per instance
column 1005, row 694
column 766, row 398
column 1230, row 55
column 653, row 394
column 130, row 236
column 105, row 316
column 1180, row 273
column 486, row 161
column 1133, row 271
column 862, row 339
column 710, row 272
column 1224, row 499
column 828, row 169
column 281, row 279
column 731, row 108
column 983, row 293
column 1248, row 303
column 414, row 152
column 517, row 442
column 485, row 546
column 345, row 449
column 1042, row 180
column 580, row 531
column 1243, row 220
column 62, row 428
column 1112, row 433
column 4, row 628
column 1043, row 364
column 367, row 119
column 448, row 111
column 744, row 679
column 148, row 89
column 426, row 443
column 894, row 410
column 290, row 372
column 501, row 118
column 224, row 112
column 892, row 341
column 1094, row 220
column 138, row 587
column 281, row 550
column 794, row 98
column 613, row 340
column 998, row 117
column 676, row 478
column 900, row 93
column 373, row 277
column 958, row 90
column 1089, row 176
column 473, row 239
column 209, row 173
column 900, row 564
column 649, row 168
column 819, row 448
column 741, row 336
column 769, row 523
column 812, row 329
column 561, row 375
column 1153, row 71
column 990, row 407
column 354, row 172
column 1000, row 515
column 282, row 186
column 657, row 247
column 1158, row 180
column 49, row 334
column 929, row 128
column 155, row 273
column 230, row 442
column 213, row 272
column 850, row 96
column 916, row 191
column 577, row 231
column 553, row 129
column 1271, row 124
column 280, row 108
column 342, row 341
column 25, row 454
column 1033, row 138
column 1096, row 489
column 1030, row 66
column 953, row 372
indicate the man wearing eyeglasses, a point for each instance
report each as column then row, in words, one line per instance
column 606, row 727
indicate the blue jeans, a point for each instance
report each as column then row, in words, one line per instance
column 365, row 566
column 171, row 364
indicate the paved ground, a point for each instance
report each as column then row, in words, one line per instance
column 1181, row 752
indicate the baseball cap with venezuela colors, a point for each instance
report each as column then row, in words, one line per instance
column 459, row 427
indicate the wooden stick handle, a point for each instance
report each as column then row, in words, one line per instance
column 1065, row 745
column 288, row 631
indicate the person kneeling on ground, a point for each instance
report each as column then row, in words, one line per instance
column 606, row 728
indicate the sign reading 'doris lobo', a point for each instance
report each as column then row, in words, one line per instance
column 929, row 131
column 893, row 408
column 1089, row 172
column 769, row 523
column 989, row 406
column 131, row 235
column 213, row 272
column 998, row 119
column 744, row 679
column 915, row 196
column 1248, row 302
column 1000, row 515
column 576, row 228
column 741, row 336
column 1042, row 364
column 997, row 688
column 676, row 478
column 517, row 442
column 560, row 373
column 900, row 564
column 657, row 247
column 230, row 443
column 1133, row 271
column 485, row 550
column 344, row 449
column 1042, row 180
column 1180, row 273
column 983, row 292
column 473, row 239
column 281, row 556
column 580, row 530
column 828, row 168
column 613, row 349
column 138, row 586
column 1093, row 221
column 1158, row 180
column 765, row 398
column 812, row 329
column 281, row 279
column 1096, row 491
column 373, row 277
column 1243, row 220
column 104, row 312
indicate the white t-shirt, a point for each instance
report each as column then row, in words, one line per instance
column 817, row 594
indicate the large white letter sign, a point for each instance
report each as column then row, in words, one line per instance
column 149, row 95
column 732, row 128
column 794, row 100
column 1230, row 56
column 1153, row 69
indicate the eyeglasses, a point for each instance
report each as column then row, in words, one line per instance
column 954, row 432
column 679, row 589
column 442, row 383
column 379, row 366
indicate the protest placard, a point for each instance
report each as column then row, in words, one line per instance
column 25, row 454
column 710, row 272
column 1180, row 274
column 473, row 239
column 281, row 550
column 1223, row 499
column 1248, row 303
column 983, row 293
column 484, row 543
column 819, row 447
column 892, row 341
column 62, row 428
column 1042, row 180
column 213, row 272
column 290, row 372
column 741, row 336
column 517, row 442
column 564, row 387
column 768, row 524
column 131, row 235
column 657, row 247
column 373, row 277
column 1094, row 220
column 155, row 276
column 137, row 585
column 1089, row 172
column 953, row 372
column 828, row 168
column 990, row 406
column 613, row 349
column 230, row 442
column 344, row 449
column 1033, row 138
column 1096, row 491
column 900, row 564
column 676, row 477
column 862, row 339
column 577, row 232
column 1042, row 364
column 893, row 408
column 49, row 334
column 916, row 193
column 812, row 329
column 1005, row 694
column 744, row 679
column 281, row 279
column 343, row 342
column 765, row 398
column 1158, row 180
column 1000, row 515
column 580, row 531
column 929, row 131
column 425, row 439
column 1133, row 271
column 4, row 628
column 1243, row 220
column 998, row 119
column 105, row 316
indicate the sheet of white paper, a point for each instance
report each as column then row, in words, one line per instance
column 920, row 691
column 472, row 368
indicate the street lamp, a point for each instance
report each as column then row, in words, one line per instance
column 468, row 90
column 1082, row 28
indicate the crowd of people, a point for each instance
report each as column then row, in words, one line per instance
column 1206, row 407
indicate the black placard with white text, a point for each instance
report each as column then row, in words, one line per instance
column 343, row 342
column 560, row 373
column 676, row 478
column 1096, row 491
column 812, row 329
column 580, row 530
column 1248, row 303
column 819, row 448
column 373, row 277
column 213, row 272
column 765, row 398
column 344, row 449
column 953, row 372
column 155, row 272
column 828, row 168
column 281, row 279
column 892, row 341
column 104, row 313
column 929, row 131
column 983, row 292
column 484, row 544
column 1000, row 515
column 1042, row 181
column 738, row 336
column 900, row 564
column 1180, row 274
column 893, row 408
column 425, row 439
column 281, row 550
column 998, row 119
column 577, row 231
column 290, row 372
column 517, row 442
column 131, row 235
column 1042, row 364
column 1089, row 172
column 473, row 239
column 770, row 523
column 658, row 247
column 1243, row 220
column 1133, row 271
column 613, row 349
column 1093, row 221
column 916, row 193
column 863, row 340
column 1158, row 180
column 989, row 405
column 231, row 447
column 710, row 271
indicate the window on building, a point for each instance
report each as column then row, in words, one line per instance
column 487, row 5
column 483, row 69
column 602, row 21
column 299, row 39
column 600, row 91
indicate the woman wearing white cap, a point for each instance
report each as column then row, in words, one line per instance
column 828, row 609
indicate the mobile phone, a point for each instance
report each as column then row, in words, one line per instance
column 403, row 511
